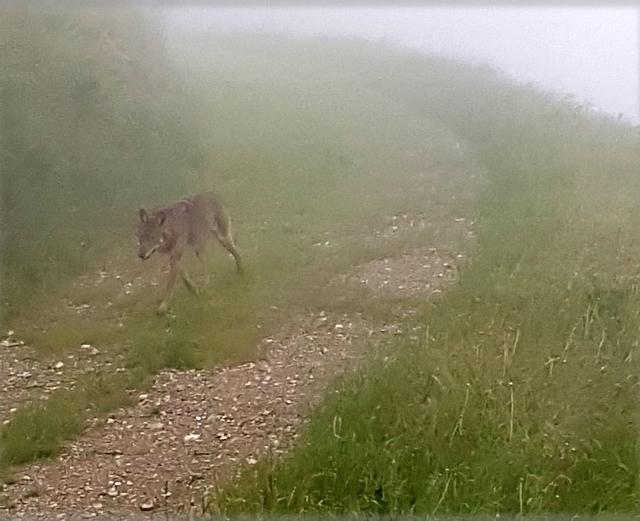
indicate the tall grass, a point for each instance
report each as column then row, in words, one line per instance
column 522, row 396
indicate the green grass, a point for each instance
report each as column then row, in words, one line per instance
column 39, row 429
column 522, row 396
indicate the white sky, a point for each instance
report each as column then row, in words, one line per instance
column 591, row 52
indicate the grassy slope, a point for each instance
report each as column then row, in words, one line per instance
column 522, row 396
column 298, row 151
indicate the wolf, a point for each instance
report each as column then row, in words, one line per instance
column 186, row 223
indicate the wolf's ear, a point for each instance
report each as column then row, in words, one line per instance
column 143, row 215
column 162, row 218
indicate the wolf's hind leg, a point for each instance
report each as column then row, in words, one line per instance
column 198, row 252
column 228, row 244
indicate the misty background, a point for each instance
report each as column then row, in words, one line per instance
column 591, row 53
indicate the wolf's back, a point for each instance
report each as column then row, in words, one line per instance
column 208, row 211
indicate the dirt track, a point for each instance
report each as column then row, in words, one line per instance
column 194, row 429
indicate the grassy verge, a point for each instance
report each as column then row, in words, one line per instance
column 522, row 396
column 39, row 429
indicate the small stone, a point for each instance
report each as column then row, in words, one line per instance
column 157, row 426
column 58, row 365
column 145, row 506
column 192, row 437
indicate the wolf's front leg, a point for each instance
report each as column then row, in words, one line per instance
column 171, row 282
column 189, row 283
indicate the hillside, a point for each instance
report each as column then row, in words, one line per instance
column 348, row 168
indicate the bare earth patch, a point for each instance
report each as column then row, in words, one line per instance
column 420, row 272
column 26, row 378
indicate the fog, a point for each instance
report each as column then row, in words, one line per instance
column 591, row 53
column 438, row 306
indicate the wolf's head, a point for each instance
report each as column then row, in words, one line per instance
column 151, row 233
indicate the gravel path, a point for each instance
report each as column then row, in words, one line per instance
column 27, row 377
column 194, row 429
